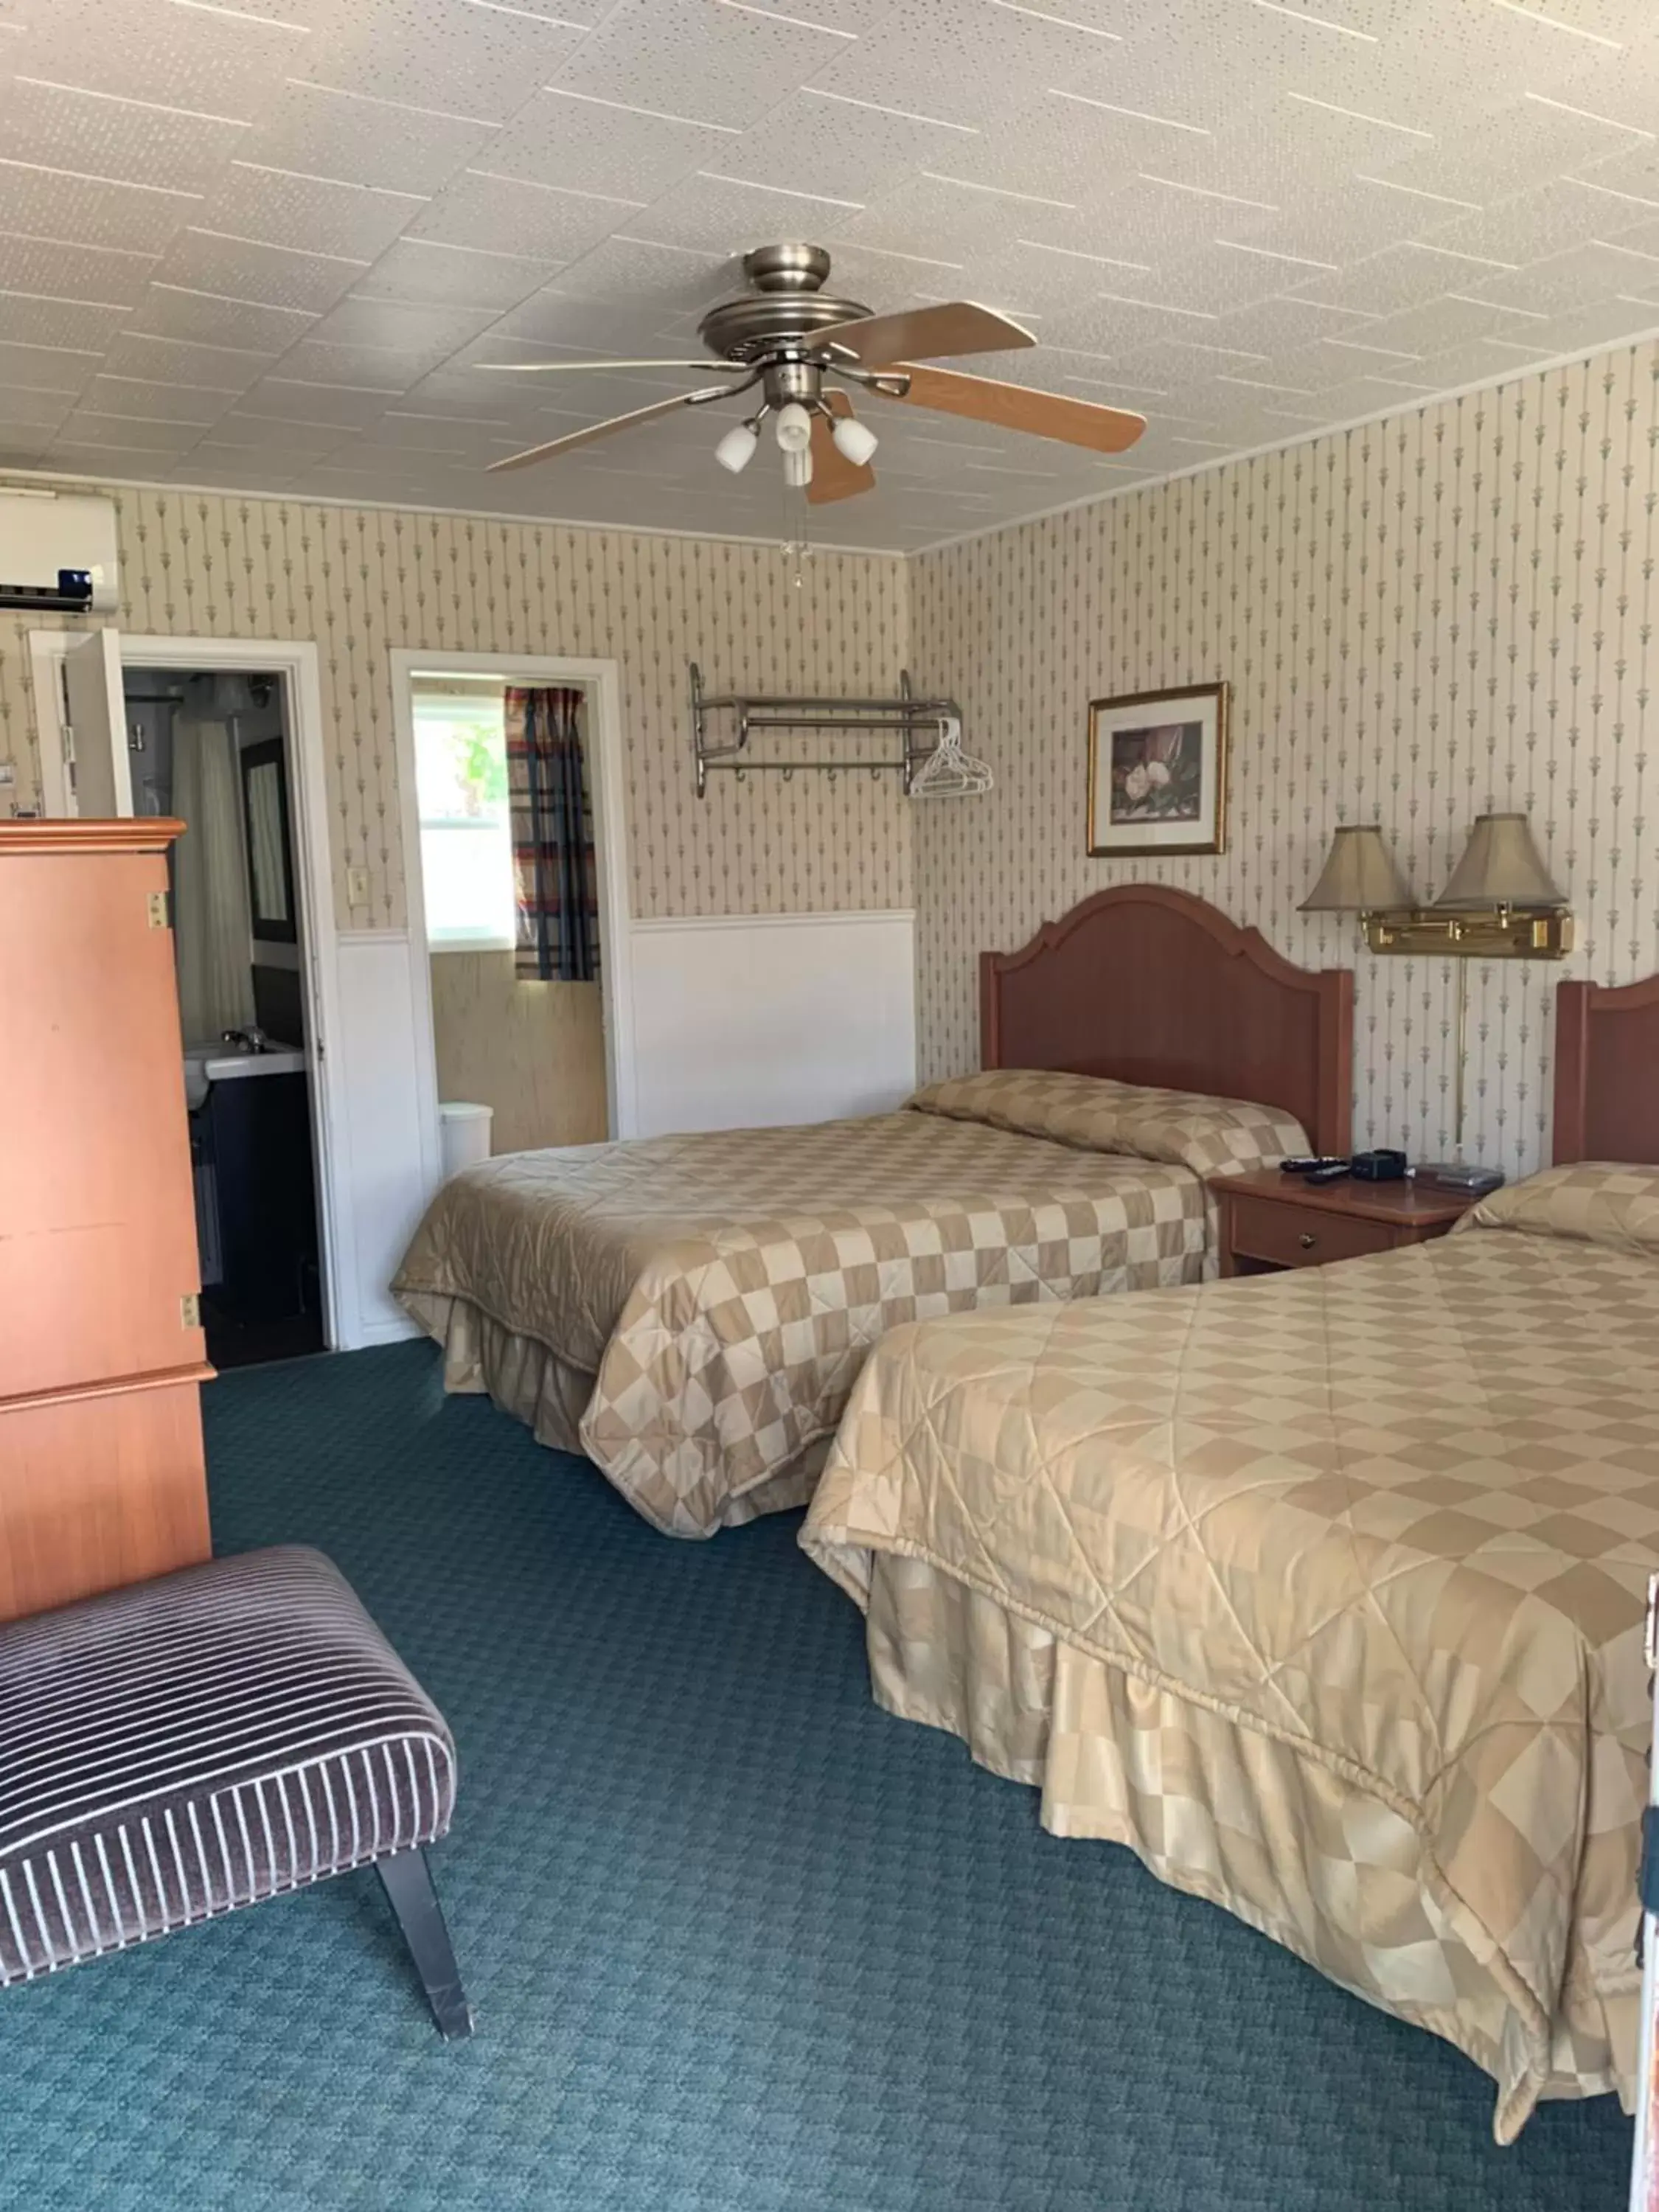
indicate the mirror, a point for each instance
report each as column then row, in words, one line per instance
column 265, row 819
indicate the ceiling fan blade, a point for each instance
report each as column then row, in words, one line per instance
column 955, row 326
column 568, row 445
column 567, row 367
column 1017, row 407
column 833, row 477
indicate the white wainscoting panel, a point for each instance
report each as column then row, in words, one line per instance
column 744, row 1021
column 387, row 1126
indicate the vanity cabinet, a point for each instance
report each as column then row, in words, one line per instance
column 102, row 1350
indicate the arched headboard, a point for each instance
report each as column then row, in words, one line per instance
column 1607, row 1072
column 1153, row 985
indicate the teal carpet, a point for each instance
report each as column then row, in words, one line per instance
column 737, row 1942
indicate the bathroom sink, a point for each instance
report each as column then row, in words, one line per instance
column 208, row 1064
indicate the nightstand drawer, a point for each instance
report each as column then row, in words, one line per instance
column 1292, row 1236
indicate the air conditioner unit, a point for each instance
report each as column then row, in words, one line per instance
column 57, row 551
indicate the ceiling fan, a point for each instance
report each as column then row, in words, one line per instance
column 789, row 338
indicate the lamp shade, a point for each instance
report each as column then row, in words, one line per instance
column 1501, row 867
column 1360, row 875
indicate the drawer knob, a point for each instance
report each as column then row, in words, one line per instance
column 1308, row 1240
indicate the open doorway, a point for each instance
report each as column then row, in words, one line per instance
column 212, row 747
column 513, row 828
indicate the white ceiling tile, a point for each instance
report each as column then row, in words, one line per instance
column 444, row 55
column 425, row 271
column 1274, row 327
column 502, row 215
column 80, row 326
column 266, row 434
column 102, row 458
column 183, row 59
column 933, row 61
column 160, row 360
column 401, row 325
column 719, row 216
column 52, row 271
column 318, row 215
column 1512, row 151
column 1594, row 270
column 1475, row 361
column 290, row 398
column 1533, row 225
column 273, row 276
column 1605, row 323
column 355, row 141
column 117, row 141
column 159, row 436
column 363, row 369
column 302, row 453
column 697, row 60
column 590, row 145
column 1438, row 325
column 1402, row 276
column 156, row 400
column 45, row 204
column 843, row 148
column 632, row 274
column 170, row 311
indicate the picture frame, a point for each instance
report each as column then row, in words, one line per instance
column 1158, row 772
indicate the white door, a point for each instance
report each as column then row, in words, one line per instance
column 99, row 779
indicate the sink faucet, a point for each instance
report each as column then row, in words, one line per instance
column 252, row 1039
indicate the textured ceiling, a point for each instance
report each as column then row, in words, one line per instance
column 262, row 245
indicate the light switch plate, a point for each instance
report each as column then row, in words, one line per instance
column 357, row 886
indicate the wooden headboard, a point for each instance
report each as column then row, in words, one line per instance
column 1607, row 1072
column 1153, row 985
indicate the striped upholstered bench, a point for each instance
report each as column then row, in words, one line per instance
column 177, row 1750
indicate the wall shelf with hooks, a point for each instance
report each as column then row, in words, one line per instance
column 919, row 722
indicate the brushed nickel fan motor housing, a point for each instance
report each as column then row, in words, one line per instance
column 783, row 309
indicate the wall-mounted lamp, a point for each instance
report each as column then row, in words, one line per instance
column 1501, row 903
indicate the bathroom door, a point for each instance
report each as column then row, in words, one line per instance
column 80, row 718
column 95, row 726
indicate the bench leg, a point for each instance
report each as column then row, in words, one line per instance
column 407, row 1883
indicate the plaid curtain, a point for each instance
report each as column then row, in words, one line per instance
column 552, row 835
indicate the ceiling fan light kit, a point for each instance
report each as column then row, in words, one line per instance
column 800, row 346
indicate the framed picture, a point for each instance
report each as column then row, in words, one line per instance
column 1158, row 772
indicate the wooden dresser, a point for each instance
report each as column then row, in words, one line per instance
column 102, row 1352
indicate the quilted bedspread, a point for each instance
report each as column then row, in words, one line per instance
column 1396, row 1515
column 708, row 1300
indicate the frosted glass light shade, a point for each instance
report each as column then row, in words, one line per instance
column 1360, row 875
column 1501, row 866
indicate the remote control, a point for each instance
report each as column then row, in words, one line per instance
column 1333, row 1171
column 1311, row 1163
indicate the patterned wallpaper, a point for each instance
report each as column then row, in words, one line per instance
column 1420, row 618
column 361, row 581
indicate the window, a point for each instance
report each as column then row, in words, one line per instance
column 466, row 837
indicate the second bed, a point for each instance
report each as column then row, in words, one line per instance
column 690, row 1312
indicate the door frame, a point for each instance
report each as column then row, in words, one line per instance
column 602, row 681
column 297, row 662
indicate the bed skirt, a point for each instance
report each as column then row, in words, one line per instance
column 1230, row 1815
column 525, row 1378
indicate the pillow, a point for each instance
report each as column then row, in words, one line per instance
column 1211, row 1136
column 1597, row 1201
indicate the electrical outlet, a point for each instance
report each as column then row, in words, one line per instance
column 357, row 886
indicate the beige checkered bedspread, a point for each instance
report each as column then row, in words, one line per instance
column 1322, row 1591
column 691, row 1311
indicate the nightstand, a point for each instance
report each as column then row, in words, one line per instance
column 1269, row 1220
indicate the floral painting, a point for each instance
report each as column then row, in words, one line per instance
column 1157, row 772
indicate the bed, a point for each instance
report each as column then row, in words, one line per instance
column 1322, row 1591
column 690, row 1312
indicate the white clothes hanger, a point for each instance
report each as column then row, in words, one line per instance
column 948, row 772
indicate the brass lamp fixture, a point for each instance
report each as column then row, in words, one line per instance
column 1501, row 902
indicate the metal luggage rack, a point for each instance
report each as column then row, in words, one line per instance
column 918, row 721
